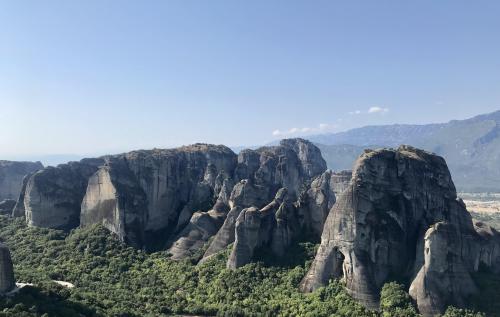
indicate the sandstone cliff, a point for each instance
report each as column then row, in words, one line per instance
column 400, row 218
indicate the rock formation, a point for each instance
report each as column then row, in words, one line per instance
column 53, row 195
column 6, row 206
column 176, row 198
column 400, row 218
column 7, row 281
column 145, row 196
column 291, row 167
column 11, row 177
column 19, row 210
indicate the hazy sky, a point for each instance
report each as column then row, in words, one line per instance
column 109, row 76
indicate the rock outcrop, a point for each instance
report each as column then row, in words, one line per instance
column 53, row 195
column 291, row 167
column 11, row 177
column 7, row 281
column 6, row 206
column 181, row 198
column 19, row 210
column 400, row 218
column 145, row 196
column 444, row 277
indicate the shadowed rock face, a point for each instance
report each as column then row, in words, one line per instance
column 53, row 196
column 6, row 206
column 7, row 281
column 19, row 210
column 400, row 217
column 11, row 177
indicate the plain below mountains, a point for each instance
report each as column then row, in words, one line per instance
column 471, row 147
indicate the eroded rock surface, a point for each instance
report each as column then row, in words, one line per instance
column 145, row 196
column 181, row 198
column 53, row 195
column 7, row 281
column 400, row 217
column 11, row 177
column 291, row 166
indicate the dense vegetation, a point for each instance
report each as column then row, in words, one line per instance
column 112, row 279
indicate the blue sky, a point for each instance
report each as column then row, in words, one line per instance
column 108, row 76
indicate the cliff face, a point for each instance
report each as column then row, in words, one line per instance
column 11, row 177
column 53, row 195
column 400, row 217
column 263, row 173
column 146, row 195
column 178, row 198
column 7, row 281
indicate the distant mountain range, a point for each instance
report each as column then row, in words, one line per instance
column 471, row 147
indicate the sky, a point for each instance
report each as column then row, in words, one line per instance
column 95, row 77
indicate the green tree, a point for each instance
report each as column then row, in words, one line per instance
column 395, row 301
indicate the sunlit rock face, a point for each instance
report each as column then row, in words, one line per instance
column 400, row 217
column 145, row 196
column 179, row 199
column 11, row 177
column 53, row 195
column 7, row 281
column 263, row 173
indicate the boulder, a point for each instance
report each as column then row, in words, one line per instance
column 11, row 177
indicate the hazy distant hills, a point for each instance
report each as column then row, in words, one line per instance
column 471, row 147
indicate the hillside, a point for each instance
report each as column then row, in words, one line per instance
column 112, row 279
column 471, row 147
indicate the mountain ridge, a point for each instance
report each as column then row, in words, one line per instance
column 471, row 146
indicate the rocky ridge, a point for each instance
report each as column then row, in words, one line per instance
column 395, row 216
column 174, row 198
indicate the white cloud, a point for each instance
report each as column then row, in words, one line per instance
column 378, row 110
column 371, row 110
column 295, row 131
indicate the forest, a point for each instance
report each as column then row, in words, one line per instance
column 113, row 279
